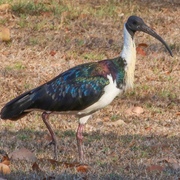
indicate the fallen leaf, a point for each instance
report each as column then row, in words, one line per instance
column 106, row 118
column 134, row 110
column 4, row 34
column 150, row 78
column 79, row 167
column 52, row 53
column 83, row 16
column 46, row 14
column 116, row 123
column 148, row 128
column 155, row 168
column 5, row 7
column 54, row 163
column 178, row 113
column 4, row 159
column 82, row 168
column 142, row 45
column 36, row 168
column 4, row 168
column 23, row 154
column 168, row 72
column 140, row 51
column 129, row 111
column 137, row 110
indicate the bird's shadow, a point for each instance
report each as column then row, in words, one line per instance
column 118, row 155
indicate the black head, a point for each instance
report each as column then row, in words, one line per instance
column 135, row 23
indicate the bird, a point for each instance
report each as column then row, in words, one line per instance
column 85, row 88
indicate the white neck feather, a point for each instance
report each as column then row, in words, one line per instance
column 129, row 54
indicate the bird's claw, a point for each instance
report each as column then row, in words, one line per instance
column 50, row 143
column 55, row 148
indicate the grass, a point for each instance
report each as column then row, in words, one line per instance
column 92, row 56
column 79, row 32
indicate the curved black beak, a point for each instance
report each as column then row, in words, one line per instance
column 146, row 29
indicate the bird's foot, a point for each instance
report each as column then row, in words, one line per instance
column 55, row 148
column 53, row 136
column 49, row 144
column 54, row 143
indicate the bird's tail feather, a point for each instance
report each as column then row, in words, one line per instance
column 18, row 107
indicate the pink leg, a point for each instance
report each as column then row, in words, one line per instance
column 53, row 136
column 79, row 138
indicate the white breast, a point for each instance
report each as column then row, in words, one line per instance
column 129, row 54
column 110, row 92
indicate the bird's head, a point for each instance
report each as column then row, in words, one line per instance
column 135, row 23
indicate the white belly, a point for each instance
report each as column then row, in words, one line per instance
column 110, row 92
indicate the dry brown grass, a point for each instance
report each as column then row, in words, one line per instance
column 56, row 39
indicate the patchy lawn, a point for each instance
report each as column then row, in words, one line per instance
column 48, row 37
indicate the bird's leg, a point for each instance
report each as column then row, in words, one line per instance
column 53, row 136
column 79, row 138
